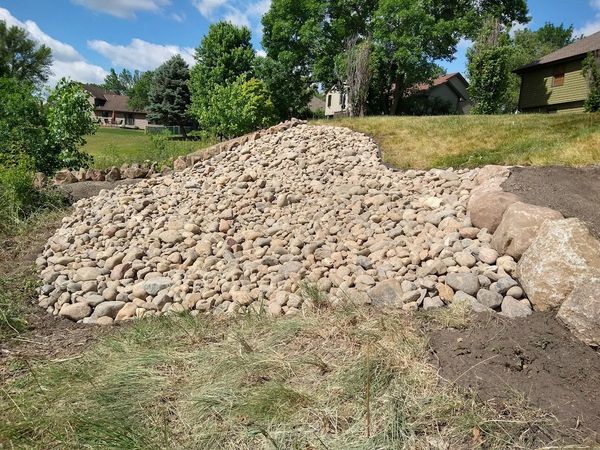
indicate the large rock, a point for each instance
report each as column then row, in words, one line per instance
column 563, row 255
column 114, row 174
column 386, row 293
column 75, row 311
column 109, row 309
column 519, row 227
column 580, row 312
column 486, row 207
column 154, row 285
column 64, row 176
column 466, row 282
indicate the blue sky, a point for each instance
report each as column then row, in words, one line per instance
column 88, row 37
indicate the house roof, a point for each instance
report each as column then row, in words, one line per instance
column 439, row 81
column 112, row 101
column 576, row 49
column 316, row 104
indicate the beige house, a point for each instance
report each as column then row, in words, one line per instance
column 451, row 90
column 555, row 83
column 112, row 110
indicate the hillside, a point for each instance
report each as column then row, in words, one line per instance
column 473, row 141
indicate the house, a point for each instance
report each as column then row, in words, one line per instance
column 556, row 83
column 446, row 94
column 449, row 93
column 112, row 110
column 316, row 105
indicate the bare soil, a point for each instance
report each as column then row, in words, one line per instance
column 535, row 357
column 573, row 191
column 85, row 189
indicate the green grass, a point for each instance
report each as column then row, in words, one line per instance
column 115, row 146
column 472, row 141
column 343, row 379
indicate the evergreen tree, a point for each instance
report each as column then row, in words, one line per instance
column 169, row 96
column 21, row 57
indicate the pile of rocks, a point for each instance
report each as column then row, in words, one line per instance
column 149, row 169
column 303, row 215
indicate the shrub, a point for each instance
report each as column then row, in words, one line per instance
column 591, row 71
column 19, row 199
column 238, row 108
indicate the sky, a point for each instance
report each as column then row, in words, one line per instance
column 88, row 37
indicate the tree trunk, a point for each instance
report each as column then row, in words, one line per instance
column 397, row 94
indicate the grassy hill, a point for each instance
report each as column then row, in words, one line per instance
column 470, row 141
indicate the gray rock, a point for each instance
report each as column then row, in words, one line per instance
column 489, row 298
column 154, row 285
column 432, row 303
column 386, row 293
column 109, row 309
column 465, row 282
column 513, row 308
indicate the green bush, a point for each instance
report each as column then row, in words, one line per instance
column 19, row 199
column 46, row 136
column 238, row 108
column 591, row 70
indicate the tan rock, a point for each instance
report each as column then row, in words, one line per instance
column 126, row 312
column 580, row 312
column 519, row 227
column 75, row 311
column 445, row 292
column 486, row 207
column 64, row 176
column 563, row 255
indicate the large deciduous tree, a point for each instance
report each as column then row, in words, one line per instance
column 224, row 55
column 408, row 37
column 169, row 96
column 21, row 57
column 140, row 91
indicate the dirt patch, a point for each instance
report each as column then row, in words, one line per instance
column 85, row 189
column 575, row 192
column 535, row 357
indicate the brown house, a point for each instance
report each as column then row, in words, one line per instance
column 112, row 109
column 556, row 82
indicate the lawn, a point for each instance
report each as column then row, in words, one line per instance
column 470, row 141
column 115, row 146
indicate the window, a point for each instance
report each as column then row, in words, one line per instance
column 129, row 119
column 329, row 101
column 559, row 78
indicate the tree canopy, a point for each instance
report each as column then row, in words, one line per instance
column 408, row 36
column 121, row 83
column 22, row 58
column 169, row 95
column 140, row 91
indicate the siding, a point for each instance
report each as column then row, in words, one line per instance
column 537, row 90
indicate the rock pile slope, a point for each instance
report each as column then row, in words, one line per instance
column 306, row 215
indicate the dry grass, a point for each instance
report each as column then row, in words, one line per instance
column 344, row 379
column 470, row 141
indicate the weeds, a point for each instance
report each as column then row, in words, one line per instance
column 333, row 379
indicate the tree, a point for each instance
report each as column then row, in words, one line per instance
column 237, row 108
column 408, row 37
column 224, row 55
column 139, row 92
column 357, row 69
column 43, row 137
column 489, row 69
column 21, row 57
column 169, row 96
column 591, row 70
column 120, row 83
column 69, row 119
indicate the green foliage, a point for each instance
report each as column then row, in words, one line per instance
column 591, row 70
column 224, row 55
column 121, row 83
column 22, row 126
column 305, row 37
column 69, row 119
column 237, row 108
column 489, row 70
column 169, row 95
column 21, row 57
column 139, row 93
column 43, row 137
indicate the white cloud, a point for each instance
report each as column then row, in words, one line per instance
column 592, row 26
column 67, row 61
column 238, row 12
column 178, row 17
column 124, row 9
column 139, row 54
column 261, row 53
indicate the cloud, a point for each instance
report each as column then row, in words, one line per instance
column 592, row 26
column 124, row 9
column 178, row 17
column 238, row 12
column 139, row 54
column 67, row 61
column 261, row 53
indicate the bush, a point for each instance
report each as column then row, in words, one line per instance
column 591, row 70
column 19, row 199
column 238, row 108
column 45, row 137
